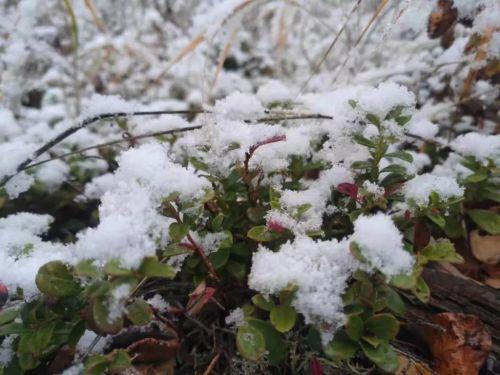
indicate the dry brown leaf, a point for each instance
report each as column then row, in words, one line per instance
column 409, row 366
column 441, row 19
column 485, row 248
column 152, row 350
column 493, row 282
column 461, row 347
column 165, row 368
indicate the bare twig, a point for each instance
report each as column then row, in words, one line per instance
column 83, row 124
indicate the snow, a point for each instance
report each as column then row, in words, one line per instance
column 386, row 96
column 13, row 153
column 418, row 189
column 52, row 174
column 116, row 301
column 6, row 350
column 481, row 146
column 23, row 252
column 158, row 303
column 236, row 318
column 382, row 244
column 274, row 91
column 319, row 269
column 18, row 184
column 100, row 104
column 423, row 128
column 238, row 106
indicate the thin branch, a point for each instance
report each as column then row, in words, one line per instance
column 83, row 124
column 27, row 164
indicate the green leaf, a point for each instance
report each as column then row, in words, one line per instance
column 151, row 267
column 175, row 249
column 100, row 315
column 27, row 361
column 87, row 268
column 8, row 315
column 476, row 177
column 55, row 280
column 262, row 303
column 217, row 222
column 354, row 327
column 356, row 252
column 256, row 214
column 120, row 360
column 353, row 103
column 383, row 356
column 250, row 342
column 96, row 365
column 373, row 119
column 198, row 164
column 358, row 138
column 341, row 347
column 394, row 301
column 361, row 165
column 178, row 231
column 261, row 233
column 220, row 257
column 13, row 329
column 492, row 193
column 114, row 268
column 405, row 282
column 406, row 156
column 274, row 199
column 384, row 326
column 486, row 220
column 236, row 269
column 441, row 251
column 421, row 290
column 227, row 241
column 403, row 120
column 139, row 312
column 437, row 219
column 394, row 168
column 283, row 317
column 274, row 343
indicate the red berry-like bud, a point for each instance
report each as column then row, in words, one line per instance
column 275, row 226
column 4, row 294
column 348, row 189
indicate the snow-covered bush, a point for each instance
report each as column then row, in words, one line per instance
column 273, row 207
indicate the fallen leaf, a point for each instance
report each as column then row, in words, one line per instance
column 165, row 368
column 441, row 19
column 462, row 345
column 485, row 248
column 409, row 366
column 153, row 350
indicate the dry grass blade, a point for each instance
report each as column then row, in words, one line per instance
column 92, row 9
column 223, row 57
column 367, row 27
column 282, row 34
column 329, row 49
column 194, row 43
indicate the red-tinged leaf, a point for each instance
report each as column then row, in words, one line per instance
column 273, row 139
column 4, row 294
column 421, row 235
column 188, row 245
column 348, row 189
column 407, row 215
column 275, row 226
column 315, row 367
column 199, row 298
